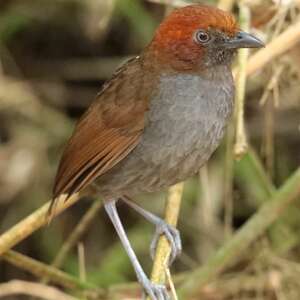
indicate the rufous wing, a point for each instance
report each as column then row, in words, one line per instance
column 109, row 130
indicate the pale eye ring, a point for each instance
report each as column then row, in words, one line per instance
column 202, row 37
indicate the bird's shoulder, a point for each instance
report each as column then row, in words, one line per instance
column 125, row 98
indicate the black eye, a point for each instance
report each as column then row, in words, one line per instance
column 202, row 37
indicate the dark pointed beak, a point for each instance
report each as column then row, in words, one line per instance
column 244, row 40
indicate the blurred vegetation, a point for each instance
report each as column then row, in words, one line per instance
column 54, row 57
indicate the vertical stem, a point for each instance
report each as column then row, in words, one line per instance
column 77, row 233
column 81, row 259
column 243, row 238
column 227, row 5
column 269, row 137
column 206, row 201
column 241, row 146
column 228, row 182
column 163, row 248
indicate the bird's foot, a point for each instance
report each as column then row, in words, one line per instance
column 153, row 290
column 172, row 235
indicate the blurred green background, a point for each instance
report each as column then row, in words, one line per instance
column 54, row 57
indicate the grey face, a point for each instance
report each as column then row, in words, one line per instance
column 216, row 53
column 220, row 48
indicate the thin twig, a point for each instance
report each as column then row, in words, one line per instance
column 252, row 175
column 272, row 85
column 241, row 146
column 206, row 208
column 77, row 233
column 163, row 248
column 268, row 140
column 81, row 259
column 228, row 182
column 270, row 99
column 40, row 269
column 285, row 41
column 33, row 222
column 233, row 249
column 17, row 287
column 228, row 170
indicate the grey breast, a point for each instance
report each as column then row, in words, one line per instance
column 184, row 126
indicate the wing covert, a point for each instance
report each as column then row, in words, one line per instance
column 108, row 131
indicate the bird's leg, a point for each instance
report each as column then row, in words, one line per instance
column 171, row 233
column 154, row 291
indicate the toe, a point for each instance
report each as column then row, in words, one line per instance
column 172, row 235
column 155, row 291
column 161, row 292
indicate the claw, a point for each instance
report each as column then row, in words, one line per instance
column 172, row 235
column 154, row 291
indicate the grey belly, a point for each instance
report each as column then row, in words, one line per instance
column 184, row 127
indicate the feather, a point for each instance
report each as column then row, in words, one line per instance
column 109, row 130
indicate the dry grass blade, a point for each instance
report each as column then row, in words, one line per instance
column 82, row 262
column 285, row 41
column 40, row 270
column 32, row 223
column 20, row 287
column 255, row 226
column 76, row 234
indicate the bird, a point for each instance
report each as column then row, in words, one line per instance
column 157, row 121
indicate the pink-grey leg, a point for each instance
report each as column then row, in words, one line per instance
column 171, row 233
column 154, row 291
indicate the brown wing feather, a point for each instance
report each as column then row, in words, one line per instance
column 108, row 131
